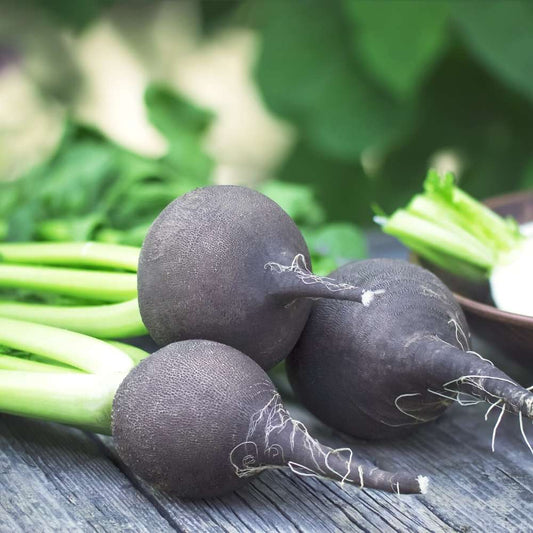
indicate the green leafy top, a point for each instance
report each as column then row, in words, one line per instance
column 93, row 189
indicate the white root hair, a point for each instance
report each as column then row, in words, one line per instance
column 348, row 463
column 521, row 424
column 361, row 477
column 498, row 421
column 473, row 381
column 459, row 329
column 254, row 454
column 481, row 357
column 300, row 268
column 407, row 413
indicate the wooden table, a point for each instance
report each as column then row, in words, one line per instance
column 55, row 478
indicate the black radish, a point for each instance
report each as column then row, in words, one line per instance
column 384, row 370
column 197, row 418
column 226, row 263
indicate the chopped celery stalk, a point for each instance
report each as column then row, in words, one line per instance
column 457, row 243
column 446, row 262
column 89, row 284
column 8, row 362
column 436, row 210
column 80, row 351
column 134, row 353
column 503, row 233
column 77, row 399
column 94, row 254
column 109, row 321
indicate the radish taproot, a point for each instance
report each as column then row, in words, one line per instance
column 226, row 263
column 382, row 371
column 196, row 418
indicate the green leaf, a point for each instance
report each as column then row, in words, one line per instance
column 307, row 74
column 527, row 178
column 398, row 42
column 500, row 34
column 76, row 14
column 341, row 242
column 92, row 187
column 183, row 124
column 297, row 200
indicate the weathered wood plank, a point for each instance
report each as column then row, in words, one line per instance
column 54, row 478
column 472, row 489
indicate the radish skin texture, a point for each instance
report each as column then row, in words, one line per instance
column 226, row 263
column 200, row 419
column 380, row 372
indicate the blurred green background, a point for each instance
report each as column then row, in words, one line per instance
column 110, row 109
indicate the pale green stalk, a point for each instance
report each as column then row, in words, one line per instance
column 460, row 243
column 102, row 255
column 77, row 399
column 108, row 321
column 74, row 349
column 134, row 353
column 87, row 284
column 8, row 362
column 451, row 229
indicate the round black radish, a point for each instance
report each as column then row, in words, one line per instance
column 199, row 419
column 380, row 371
column 226, row 263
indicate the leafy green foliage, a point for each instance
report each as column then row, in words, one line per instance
column 76, row 14
column 398, row 46
column 306, row 73
column 92, row 188
column 295, row 199
column 334, row 245
column 500, row 34
column 184, row 126
column 378, row 89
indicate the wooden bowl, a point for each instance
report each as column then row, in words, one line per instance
column 511, row 333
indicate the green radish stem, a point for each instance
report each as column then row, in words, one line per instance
column 75, row 349
column 49, row 392
column 113, row 320
column 77, row 399
column 134, row 353
column 108, row 321
column 89, row 284
column 8, row 362
column 106, row 256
